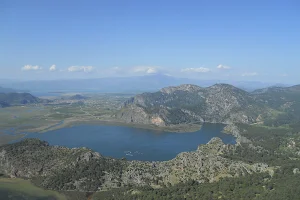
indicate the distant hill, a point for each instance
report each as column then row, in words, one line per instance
column 278, row 96
column 220, row 103
column 286, row 100
column 134, row 84
column 9, row 99
column 77, row 97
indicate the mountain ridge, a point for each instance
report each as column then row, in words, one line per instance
column 187, row 103
column 219, row 103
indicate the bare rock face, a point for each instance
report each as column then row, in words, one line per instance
column 185, row 87
column 233, row 129
column 157, row 120
column 134, row 114
column 186, row 104
column 88, row 156
column 296, row 171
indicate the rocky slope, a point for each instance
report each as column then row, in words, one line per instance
column 81, row 169
column 184, row 104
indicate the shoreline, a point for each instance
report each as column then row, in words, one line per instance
column 182, row 128
column 66, row 123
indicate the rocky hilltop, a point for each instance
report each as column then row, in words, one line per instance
column 60, row 168
column 184, row 104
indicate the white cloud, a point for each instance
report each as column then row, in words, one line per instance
column 146, row 69
column 31, row 67
column 199, row 70
column 223, row 67
column 52, row 68
column 81, row 69
column 250, row 74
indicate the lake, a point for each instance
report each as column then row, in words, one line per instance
column 133, row 143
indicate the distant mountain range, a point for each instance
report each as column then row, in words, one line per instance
column 220, row 103
column 134, row 84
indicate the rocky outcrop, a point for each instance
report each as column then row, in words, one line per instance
column 234, row 130
column 208, row 164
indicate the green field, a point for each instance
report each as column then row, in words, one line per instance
column 16, row 120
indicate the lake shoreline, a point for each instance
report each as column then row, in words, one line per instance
column 181, row 128
column 136, row 143
column 67, row 123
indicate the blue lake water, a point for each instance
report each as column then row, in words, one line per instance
column 133, row 143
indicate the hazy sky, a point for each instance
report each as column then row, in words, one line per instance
column 237, row 40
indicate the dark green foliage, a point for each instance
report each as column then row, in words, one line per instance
column 256, row 186
column 91, row 172
column 271, row 143
column 63, row 166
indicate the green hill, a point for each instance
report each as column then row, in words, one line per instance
column 220, row 103
column 9, row 99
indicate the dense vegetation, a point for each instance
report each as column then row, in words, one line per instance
column 219, row 103
column 283, row 186
column 91, row 172
column 65, row 169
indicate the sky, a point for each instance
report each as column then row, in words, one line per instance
column 204, row 39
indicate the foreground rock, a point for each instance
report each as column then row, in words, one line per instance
column 81, row 169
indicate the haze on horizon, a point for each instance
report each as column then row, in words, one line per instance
column 206, row 40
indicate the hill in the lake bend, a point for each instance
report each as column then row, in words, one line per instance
column 220, row 103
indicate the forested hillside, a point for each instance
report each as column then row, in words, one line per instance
column 220, row 103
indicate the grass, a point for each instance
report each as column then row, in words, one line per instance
column 20, row 187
